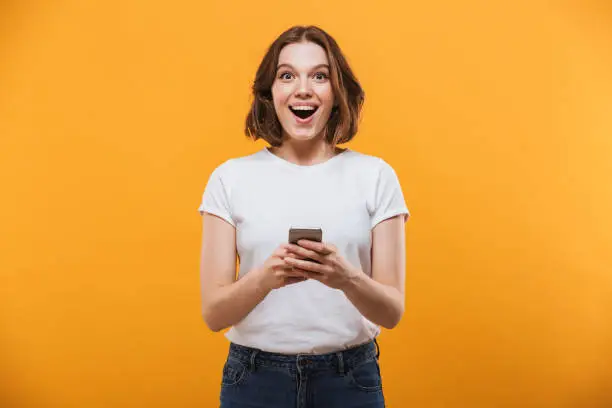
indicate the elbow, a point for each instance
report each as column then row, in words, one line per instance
column 215, row 329
column 391, row 323
column 393, row 317
column 213, row 323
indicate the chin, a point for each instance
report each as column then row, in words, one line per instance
column 302, row 137
column 311, row 134
column 305, row 137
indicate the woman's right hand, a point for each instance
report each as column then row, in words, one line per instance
column 276, row 273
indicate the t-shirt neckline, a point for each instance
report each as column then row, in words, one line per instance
column 305, row 166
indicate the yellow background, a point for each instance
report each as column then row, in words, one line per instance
column 495, row 115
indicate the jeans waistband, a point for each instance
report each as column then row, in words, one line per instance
column 342, row 361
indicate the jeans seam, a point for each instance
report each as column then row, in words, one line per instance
column 243, row 371
column 353, row 381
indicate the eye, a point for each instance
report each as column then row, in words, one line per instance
column 321, row 76
column 285, row 75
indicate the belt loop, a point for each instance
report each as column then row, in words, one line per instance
column 377, row 348
column 252, row 361
column 340, row 362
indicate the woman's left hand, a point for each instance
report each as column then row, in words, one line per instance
column 332, row 270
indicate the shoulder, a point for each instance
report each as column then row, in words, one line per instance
column 238, row 165
column 373, row 173
column 368, row 163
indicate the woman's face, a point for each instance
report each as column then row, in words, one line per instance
column 302, row 91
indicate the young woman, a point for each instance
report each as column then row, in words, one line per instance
column 304, row 317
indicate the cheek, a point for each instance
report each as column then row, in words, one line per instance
column 326, row 95
column 280, row 94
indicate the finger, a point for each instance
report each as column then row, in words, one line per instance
column 280, row 263
column 320, row 247
column 292, row 280
column 293, row 273
column 311, row 275
column 294, row 255
column 309, row 266
column 287, row 270
column 304, row 253
column 281, row 251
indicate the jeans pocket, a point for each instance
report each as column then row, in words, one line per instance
column 366, row 376
column 233, row 372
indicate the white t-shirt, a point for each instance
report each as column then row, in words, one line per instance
column 263, row 196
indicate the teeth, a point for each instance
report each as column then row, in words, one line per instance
column 303, row 108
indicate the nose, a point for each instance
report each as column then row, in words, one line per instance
column 304, row 90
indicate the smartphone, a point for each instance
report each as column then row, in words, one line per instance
column 311, row 234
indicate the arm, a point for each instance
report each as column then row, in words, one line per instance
column 381, row 298
column 225, row 301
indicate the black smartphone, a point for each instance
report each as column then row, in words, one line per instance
column 311, row 234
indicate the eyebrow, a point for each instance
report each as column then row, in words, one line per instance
column 313, row 68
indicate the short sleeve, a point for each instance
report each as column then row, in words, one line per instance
column 389, row 199
column 215, row 199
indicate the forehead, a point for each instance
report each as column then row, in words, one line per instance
column 303, row 55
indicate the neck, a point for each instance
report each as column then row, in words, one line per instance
column 307, row 152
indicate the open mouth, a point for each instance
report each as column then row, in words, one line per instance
column 303, row 112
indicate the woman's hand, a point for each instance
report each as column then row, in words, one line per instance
column 276, row 272
column 330, row 268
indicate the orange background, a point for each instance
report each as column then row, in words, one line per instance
column 495, row 115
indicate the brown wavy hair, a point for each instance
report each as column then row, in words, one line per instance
column 262, row 122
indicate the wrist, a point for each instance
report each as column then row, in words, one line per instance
column 259, row 281
column 354, row 281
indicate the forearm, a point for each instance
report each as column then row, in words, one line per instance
column 231, row 303
column 379, row 303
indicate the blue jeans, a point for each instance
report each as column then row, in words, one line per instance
column 349, row 378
